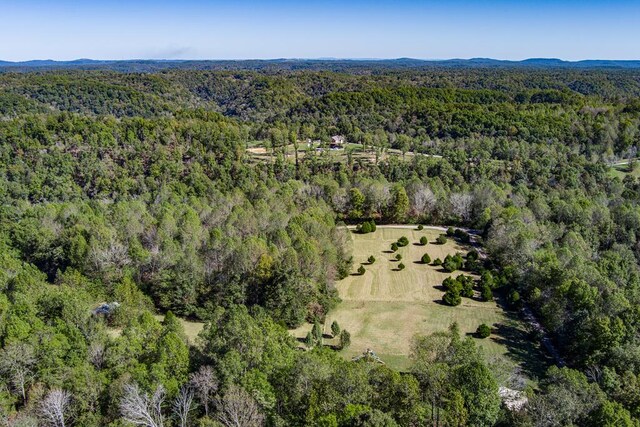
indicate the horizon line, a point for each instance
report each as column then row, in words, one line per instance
column 540, row 58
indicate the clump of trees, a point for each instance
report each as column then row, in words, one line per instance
column 461, row 286
column 453, row 263
column 366, row 227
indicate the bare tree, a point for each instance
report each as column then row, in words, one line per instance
column 16, row 362
column 96, row 354
column 238, row 409
column 205, row 384
column 54, row 406
column 182, row 405
column 141, row 409
column 422, row 198
column 461, row 205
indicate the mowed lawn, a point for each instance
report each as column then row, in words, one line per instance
column 384, row 308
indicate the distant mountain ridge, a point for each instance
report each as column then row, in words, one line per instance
column 149, row 65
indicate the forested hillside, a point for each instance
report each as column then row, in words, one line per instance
column 138, row 189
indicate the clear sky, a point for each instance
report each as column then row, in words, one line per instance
column 240, row 29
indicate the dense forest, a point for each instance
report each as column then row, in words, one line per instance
column 136, row 189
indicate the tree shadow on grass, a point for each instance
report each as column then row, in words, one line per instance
column 387, row 252
column 521, row 344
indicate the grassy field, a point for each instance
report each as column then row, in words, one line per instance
column 258, row 152
column 384, row 308
column 191, row 329
column 622, row 170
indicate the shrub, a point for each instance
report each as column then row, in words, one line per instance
column 467, row 289
column 452, row 298
column 450, row 231
column 373, row 226
column 472, row 255
column 371, row 259
column 441, row 240
column 365, row 228
column 420, row 227
column 335, row 328
column 316, row 332
column 345, row 339
column 514, row 298
column 403, row 241
column 451, row 284
column 361, row 270
column 308, row 341
column 486, row 293
column 462, row 235
column 401, row 266
column 483, row 331
column 452, row 263
column 426, row 259
column 398, row 257
column 437, row 261
column 424, row 240
column 394, row 247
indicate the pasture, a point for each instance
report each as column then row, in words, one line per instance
column 384, row 308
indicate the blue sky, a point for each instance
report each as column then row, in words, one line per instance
column 199, row 29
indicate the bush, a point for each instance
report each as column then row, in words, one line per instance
column 420, row 227
column 401, row 266
column 345, row 339
column 426, row 259
column 462, row 235
column 335, row 328
column 486, row 293
column 365, row 228
column 514, row 299
column 371, row 259
column 437, row 261
column 441, row 240
column 394, row 247
column 316, row 332
column 451, row 284
column 450, row 232
column 398, row 257
column 373, row 226
column 403, row 241
column 308, row 341
column 452, row 263
column 424, row 240
column 451, row 298
column 483, row 331
column 361, row 270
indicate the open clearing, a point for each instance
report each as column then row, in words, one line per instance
column 191, row 328
column 384, row 308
